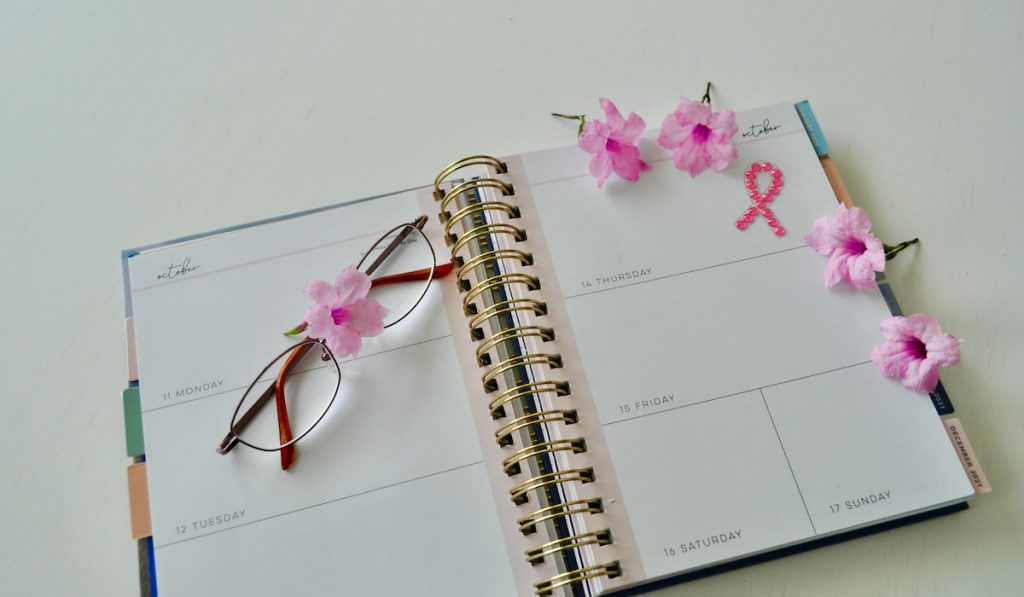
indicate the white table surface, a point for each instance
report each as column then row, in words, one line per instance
column 133, row 122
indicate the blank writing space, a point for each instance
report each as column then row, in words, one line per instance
column 692, row 475
column 863, row 448
column 720, row 331
column 438, row 534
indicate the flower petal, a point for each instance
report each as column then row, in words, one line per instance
column 690, row 156
column 612, row 115
column 673, row 133
column 631, row 131
column 321, row 324
column 835, row 271
column 625, row 160
column 322, row 293
column 344, row 341
column 723, row 124
column 601, row 167
column 921, row 375
column 720, row 152
column 891, row 359
column 594, row 137
column 693, row 111
column 862, row 274
column 874, row 252
column 367, row 317
column 896, row 329
column 352, row 285
column 857, row 221
column 944, row 349
column 821, row 238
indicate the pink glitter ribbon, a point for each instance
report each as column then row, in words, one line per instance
column 762, row 199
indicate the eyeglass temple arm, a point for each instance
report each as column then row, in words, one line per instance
column 231, row 439
column 421, row 274
column 419, row 223
column 284, row 424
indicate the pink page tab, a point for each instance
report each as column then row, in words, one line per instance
column 129, row 341
column 972, row 467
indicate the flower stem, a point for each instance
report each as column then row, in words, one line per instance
column 581, row 117
column 297, row 329
column 894, row 250
column 707, row 95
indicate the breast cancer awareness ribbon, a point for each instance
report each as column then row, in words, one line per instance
column 762, row 199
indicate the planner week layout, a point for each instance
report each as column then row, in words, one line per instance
column 375, row 503
column 724, row 397
column 735, row 392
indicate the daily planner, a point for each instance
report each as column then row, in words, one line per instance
column 613, row 387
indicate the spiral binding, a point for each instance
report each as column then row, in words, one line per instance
column 486, row 275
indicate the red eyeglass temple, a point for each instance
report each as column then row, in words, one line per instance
column 420, row 274
column 283, row 423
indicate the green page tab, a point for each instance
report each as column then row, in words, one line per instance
column 133, row 422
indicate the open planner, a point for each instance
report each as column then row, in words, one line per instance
column 614, row 389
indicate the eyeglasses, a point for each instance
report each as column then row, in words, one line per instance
column 304, row 379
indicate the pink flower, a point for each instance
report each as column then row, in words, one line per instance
column 854, row 253
column 343, row 315
column 613, row 144
column 914, row 350
column 698, row 137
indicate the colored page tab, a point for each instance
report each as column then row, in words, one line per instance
column 129, row 341
column 138, row 500
column 977, row 477
column 813, row 129
column 133, row 422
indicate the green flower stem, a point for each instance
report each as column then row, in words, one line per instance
column 894, row 250
column 297, row 329
column 581, row 117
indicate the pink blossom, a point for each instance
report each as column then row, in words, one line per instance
column 343, row 316
column 914, row 350
column 613, row 144
column 854, row 253
column 698, row 137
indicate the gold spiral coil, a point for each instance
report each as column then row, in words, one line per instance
column 511, row 464
column 490, row 376
column 520, row 492
column 535, row 555
column 500, row 318
column 508, row 335
column 528, row 524
column 503, row 435
column 508, row 306
column 476, row 183
column 483, row 232
column 548, row 585
column 473, row 160
column 497, row 282
column 534, row 388
column 479, row 208
column 491, row 256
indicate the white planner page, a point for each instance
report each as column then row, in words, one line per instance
column 387, row 496
column 735, row 391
